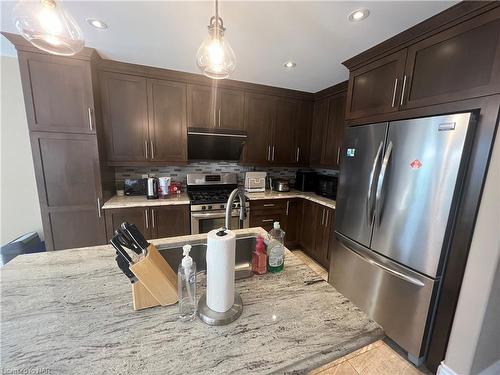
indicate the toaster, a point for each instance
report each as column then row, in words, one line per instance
column 255, row 182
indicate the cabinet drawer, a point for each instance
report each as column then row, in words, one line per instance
column 265, row 220
column 269, row 205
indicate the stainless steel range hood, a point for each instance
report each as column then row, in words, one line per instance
column 215, row 144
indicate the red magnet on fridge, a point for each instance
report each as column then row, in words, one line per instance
column 416, row 164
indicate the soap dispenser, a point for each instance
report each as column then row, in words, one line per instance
column 186, row 277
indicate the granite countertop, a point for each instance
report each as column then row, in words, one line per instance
column 142, row 201
column 182, row 198
column 270, row 194
column 71, row 311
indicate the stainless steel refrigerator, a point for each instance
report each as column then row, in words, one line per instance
column 398, row 186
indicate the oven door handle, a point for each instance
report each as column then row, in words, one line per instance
column 208, row 215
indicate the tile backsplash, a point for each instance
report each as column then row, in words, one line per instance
column 178, row 173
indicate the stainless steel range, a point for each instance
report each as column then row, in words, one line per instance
column 208, row 195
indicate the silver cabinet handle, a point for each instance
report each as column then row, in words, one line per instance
column 287, row 207
column 146, row 148
column 403, row 91
column 268, row 155
column 338, row 155
column 380, row 182
column 326, row 219
column 267, row 220
column 269, row 205
column 99, row 213
column 322, row 216
column 152, row 149
column 297, row 154
column 369, row 213
column 219, row 117
column 153, row 217
column 91, row 123
column 146, row 216
column 394, row 93
column 273, row 154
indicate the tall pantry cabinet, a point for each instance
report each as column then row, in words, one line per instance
column 60, row 96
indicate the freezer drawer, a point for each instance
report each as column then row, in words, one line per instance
column 394, row 296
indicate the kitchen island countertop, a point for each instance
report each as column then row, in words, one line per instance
column 310, row 196
column 71, row 311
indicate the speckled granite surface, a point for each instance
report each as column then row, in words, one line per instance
column 70, row 312
column 142, row 201
column 269, row 194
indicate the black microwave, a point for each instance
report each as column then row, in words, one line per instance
column 326, row 186
column 305, row 180
column 133, row 186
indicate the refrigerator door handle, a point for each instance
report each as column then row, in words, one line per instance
column 380, row 183
column 394, row 272
column 369, row 205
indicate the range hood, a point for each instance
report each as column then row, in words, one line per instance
column 215, row 144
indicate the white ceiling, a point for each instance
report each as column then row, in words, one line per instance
column 263, row 34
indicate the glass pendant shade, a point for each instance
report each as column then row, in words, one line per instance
column 215, row 57
column 46, row 25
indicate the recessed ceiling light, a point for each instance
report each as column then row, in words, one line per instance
column 359, row 15
column 98, row 24
column 290, row 64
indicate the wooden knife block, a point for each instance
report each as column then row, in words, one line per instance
column 157, row 283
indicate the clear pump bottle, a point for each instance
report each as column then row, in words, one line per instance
column 186, row 281
column 276, row 249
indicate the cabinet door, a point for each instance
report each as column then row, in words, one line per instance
column 334, row 132
column 284, row 150
column 170, row 221
column 320, row 118
column 375, row 87
column 139, row 216
column 460, row 63
column 57, row 93
column 69, row 189
column 303, row 133
column 167, row 121
column 230, row 109
column 325, row 219
column 308, row 228
column 201, row 106
column 260, row 113
column 125, row 117
column 292, row 222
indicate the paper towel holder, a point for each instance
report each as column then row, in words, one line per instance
column 214, row 318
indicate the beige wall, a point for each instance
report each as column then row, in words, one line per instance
column 475, row 337
column 20, row 210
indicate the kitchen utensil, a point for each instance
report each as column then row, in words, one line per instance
column 152, row 188
column 255, row 182
column 139, row 243
column 280, row 184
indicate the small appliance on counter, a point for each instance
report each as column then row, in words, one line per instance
column 326, row 186
column 153, row 187
column 164, row 186
column 255, row 182
column 135, row 186
column 305, row 180
column 281, row 184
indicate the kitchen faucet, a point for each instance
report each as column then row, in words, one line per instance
column 229, row 207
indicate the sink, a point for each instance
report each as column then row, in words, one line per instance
column 244, row 249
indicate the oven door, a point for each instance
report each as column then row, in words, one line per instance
column 204, row 222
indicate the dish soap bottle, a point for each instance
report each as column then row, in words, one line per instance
column 186, row 283
column 259, row 257
column 276, row 249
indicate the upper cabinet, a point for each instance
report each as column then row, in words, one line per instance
column 460, row 62
column 284, row 148
column 144, row 119
column 58, row 93
column 373, row 87
column 215, row 108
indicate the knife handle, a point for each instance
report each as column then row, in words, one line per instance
column 123, row 264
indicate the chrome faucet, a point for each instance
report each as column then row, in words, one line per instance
column 229, row 207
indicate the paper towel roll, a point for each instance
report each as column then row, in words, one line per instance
column 221, row 251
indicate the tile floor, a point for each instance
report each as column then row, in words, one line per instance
column 382, row 357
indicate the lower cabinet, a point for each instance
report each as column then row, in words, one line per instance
column 315, row 231
column 153, row 222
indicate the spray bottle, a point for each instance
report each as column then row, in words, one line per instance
column 186, row 281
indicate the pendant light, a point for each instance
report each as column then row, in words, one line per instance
column 215, row 57
column 46, row 25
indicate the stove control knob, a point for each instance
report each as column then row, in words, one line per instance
column 203, row 208
column 209, row 207
column 234, row 205
column 222, row 206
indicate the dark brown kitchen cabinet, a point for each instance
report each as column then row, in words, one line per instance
column 259, row 122
column 317, row 222
column 375, row 87
column 153, row 222
column 293, row 222
column 303, row 133
column 144, row 120
column 459, row 63
column 320, row 119
column 57, row 93
column 284, row 147
column 213, row 107
column 68, row 178
column 167, row 121
column 125, row 117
